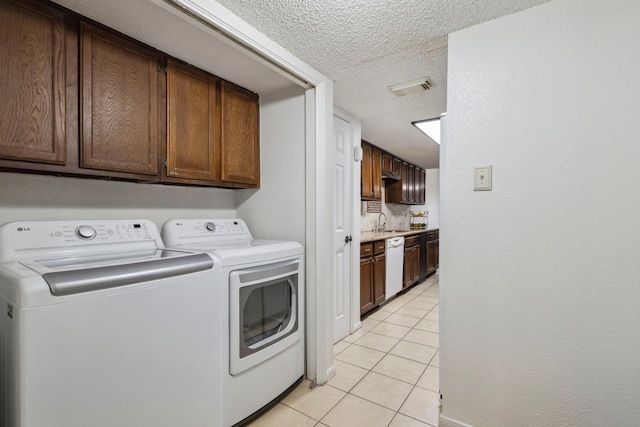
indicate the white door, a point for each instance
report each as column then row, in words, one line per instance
column 342, row 234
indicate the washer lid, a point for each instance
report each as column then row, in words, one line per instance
column 66, row 276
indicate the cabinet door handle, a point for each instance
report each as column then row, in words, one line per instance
column 348, row 239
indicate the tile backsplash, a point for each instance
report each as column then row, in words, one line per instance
column 397, row 216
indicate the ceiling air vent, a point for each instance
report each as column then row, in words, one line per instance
column 415, row 86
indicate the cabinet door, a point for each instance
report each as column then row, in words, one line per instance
column 240, row 148
column 406, row 186
column 379, row 279
column 411, row 184
column 120, row 82
column 366, row 189
column 420, row 186
column 416, row 264
column 371, row 172
column 397, row 168
column 32, row 82
column 387, row 164
column 394, row 189
column 376, row 174
column 366, row 284
column 193, row 124
column 407, row 268
column 431, row 256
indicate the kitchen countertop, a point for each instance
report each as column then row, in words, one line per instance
column 372, row 236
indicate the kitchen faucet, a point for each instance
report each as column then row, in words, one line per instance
column 384, row 224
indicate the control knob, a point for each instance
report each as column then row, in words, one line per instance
column 210, row 226
column 86, row 232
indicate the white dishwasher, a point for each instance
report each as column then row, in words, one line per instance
column 394, row 258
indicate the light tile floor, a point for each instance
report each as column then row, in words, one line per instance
column 387, row 371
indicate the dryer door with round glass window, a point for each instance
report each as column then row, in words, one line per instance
column 264, row 307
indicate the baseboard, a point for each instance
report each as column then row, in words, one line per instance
column 448, row 422
column 331, row 372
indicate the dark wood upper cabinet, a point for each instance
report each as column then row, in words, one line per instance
column 401, row 191
column 240, row 148
column 371, row 172
column 387, row 165
column 366, row 190
column 391, row 167
column 81, row 99
column 32, row 82
column 410, row 189
column 397, row 168
column 120, row 84
column 409, row 176
column 420, row 186
column 193, row 123
column 376, row 174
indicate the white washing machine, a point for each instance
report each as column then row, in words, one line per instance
column 264, row 312
column 101, row 326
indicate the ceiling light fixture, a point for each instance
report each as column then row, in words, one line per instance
column 430, row 127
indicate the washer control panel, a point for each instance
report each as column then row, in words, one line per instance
column 47, row 234
column 212, row 226
column 190, row 231
column 86, row 232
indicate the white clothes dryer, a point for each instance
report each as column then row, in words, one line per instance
column 102, row 326
column 263, row 289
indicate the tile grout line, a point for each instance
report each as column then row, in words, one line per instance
column 413, row 386
column 319, row 422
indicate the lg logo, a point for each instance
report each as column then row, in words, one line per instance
column 24, row 229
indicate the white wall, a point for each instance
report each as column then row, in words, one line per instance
column 277, row 210
column 35, row 197
column 540, row 286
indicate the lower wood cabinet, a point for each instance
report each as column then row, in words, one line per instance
column 372, row 275
column 366, row 287
column 433, row 251
column 411, row 261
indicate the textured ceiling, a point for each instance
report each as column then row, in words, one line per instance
column 364, row 46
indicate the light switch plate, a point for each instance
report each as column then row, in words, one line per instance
column 482, row 178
